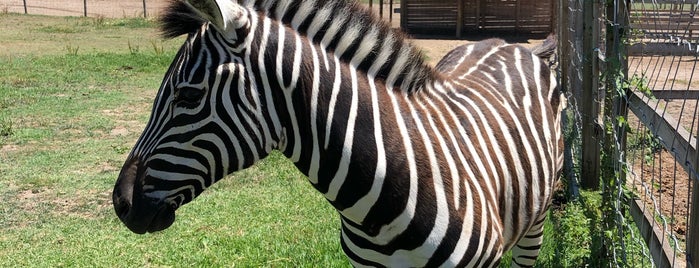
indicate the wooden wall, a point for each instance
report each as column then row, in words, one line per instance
column 455, row 17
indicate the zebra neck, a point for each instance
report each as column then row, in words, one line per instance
column 324, row 103
column 328, row 87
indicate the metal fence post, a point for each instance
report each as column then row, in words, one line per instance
column 693, row 224
column 390, row 11
column 85, row 8
column 381, row 8
column 25, row 6
column 144, row 9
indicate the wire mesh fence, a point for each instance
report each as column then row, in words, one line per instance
column 629, row 69
column 87, row 8
column 662, row 143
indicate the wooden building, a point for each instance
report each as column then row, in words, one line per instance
column 457, row 17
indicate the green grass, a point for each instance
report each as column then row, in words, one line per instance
column 67, row 121
column 33, row 35
column 62, row 155
column 68, row 117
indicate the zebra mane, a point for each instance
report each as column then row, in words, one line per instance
column 346, row 28
column 179, row 19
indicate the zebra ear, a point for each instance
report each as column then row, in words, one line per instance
column 226, row 15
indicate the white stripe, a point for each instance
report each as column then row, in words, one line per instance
column 349, row 37
column 508, row 138
column 346, row 157
column 384, row 55
column 288, row 90
column 335, row 25
column 163, row 194
column 479, row 62
column 469, row 50
column 399, row 66
column 228, row 104
column 307, row 8
column 178, row 160
column 282, row 7
column 547, row 146
column 400, row 223
column 269, row 103
column 441, row 221
column 508, row 84
column 315, row 155
column 461, row 247
column 528, row 149
column 321, row 17
column 365, row 46
column 333, row 100
column 358, row 212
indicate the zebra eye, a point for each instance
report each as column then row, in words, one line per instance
column 188, row 96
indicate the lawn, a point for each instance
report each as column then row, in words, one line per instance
column 75, row 94
column 69, row 114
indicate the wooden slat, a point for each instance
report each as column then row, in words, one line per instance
column 523, row 16
column 678, row 141
column 693, row 235
column 429, row 15
column 652, row 233
column 665, row 27
column 658, row 48
column 676, row 94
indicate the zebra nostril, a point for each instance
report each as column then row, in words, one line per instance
column 123, row 193
column 121, row 204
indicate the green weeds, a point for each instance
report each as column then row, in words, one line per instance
column 72, row 49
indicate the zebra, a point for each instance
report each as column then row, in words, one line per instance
column 427, row 166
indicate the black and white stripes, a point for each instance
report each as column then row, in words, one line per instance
column 445, row 166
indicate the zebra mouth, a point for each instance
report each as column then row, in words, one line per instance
column 144, row 215
column 163, row 218
column 138, row 212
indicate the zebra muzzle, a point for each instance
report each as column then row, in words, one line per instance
column 138, row 212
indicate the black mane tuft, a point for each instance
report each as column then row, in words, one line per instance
column 179, row 19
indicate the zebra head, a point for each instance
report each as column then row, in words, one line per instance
column 206, row 120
